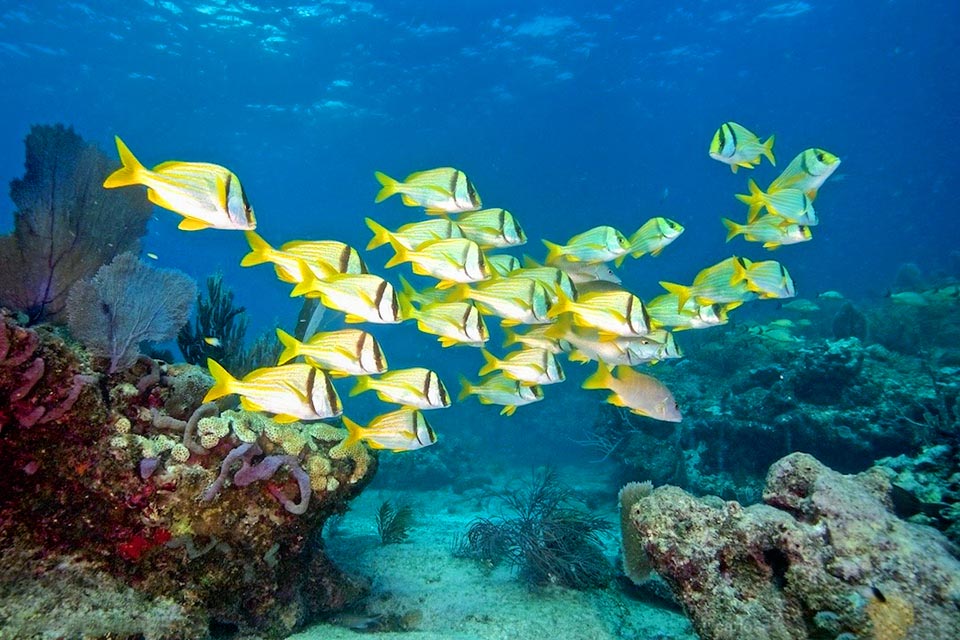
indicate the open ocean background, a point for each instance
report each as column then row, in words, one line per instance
column 570, row 114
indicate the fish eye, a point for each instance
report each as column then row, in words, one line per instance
column 821, row 157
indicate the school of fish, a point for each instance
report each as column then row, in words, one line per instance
column 573, row 304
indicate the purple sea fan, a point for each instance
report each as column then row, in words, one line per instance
column 128, row 302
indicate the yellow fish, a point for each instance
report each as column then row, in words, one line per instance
column 529, row 366
column 414, row 235
column 363, row 297
column 492, row 228
column 771, row 230
column 724, row 282
column 599, row 244
column 665, row 311
column 612, row 313
column 292, row 391
column 500, row 390
column 452, row 261
column 417, row 388
column 737, row 146
column 338, row 256
column 439, row 191
column 536, row 337
column 349, row 352
column 644, row 395
column 585, row 344
column 653, row 236
column 401, row 430
column 792, row 205
column 502, row 264
column 206, row 195
column 515, row 300
column 555, row 280
column 455, row 323
column 807, row 172
column 286, row 265
column 770, row 279
column 427, row 295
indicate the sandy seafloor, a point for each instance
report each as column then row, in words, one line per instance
column 455, row 598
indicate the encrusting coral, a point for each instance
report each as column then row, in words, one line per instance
column 824, row 557
column 101, row 453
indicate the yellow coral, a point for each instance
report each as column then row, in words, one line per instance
column 122, row 425
column 318, row 467
column 358, row 454
column 890, row 616
column 179, row 453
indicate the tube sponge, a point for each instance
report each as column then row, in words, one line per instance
column 636, row 566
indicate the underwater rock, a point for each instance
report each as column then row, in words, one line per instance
column 825, row 373
column 97, row 471
column 849, row 322
column 824, row 553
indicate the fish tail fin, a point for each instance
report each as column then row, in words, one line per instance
column 755, row 200
column 562, row 305
column 131, row 171
column 307, row 282
column 530, row 263
column 554, row 251
column 407, row 310
column 401, row 254
column 381, row 235
column 354, row 432
column 739, row 272
column 459, row 292
column 259, row 250
column 291, row 346
column 733, row 229
column 363, row 384
column 599, row 380
column 491, row 363
column 390, row 186
column 558, row 330
column 768, row 151
column 682, row 292
column 466, row 389
column 223, row 382
column 510, row 337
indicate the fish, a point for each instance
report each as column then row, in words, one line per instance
column 806, row 172
column 427, row 295
column 414, row 235
column 642, row 394
column 535, row 337
column 492, row 228
column 801, row 306
column 416, row 388
column 286, row 265
column 362, row 297
column 581, row 272
column 515, row 300
column 831, row 295
column 348, row 352
column 586, row 344
column 452, row 261
column 498, row 389
column 439, row 191
column 653, row 236
column 612, row 313
column 770, row 280
column 291, row 391
column 502, row 264
column 529, row 366
column 909, row 299
column 455, row 323
column 737, row 146
column 206, row 195
column 338, row 256
column 724, row 282
column 792, row 205
column 213, row 342
column 152, row 255
column 555, row 280
column 664, row 311
column 400, row 430
column 599, row 244
column 772, row 230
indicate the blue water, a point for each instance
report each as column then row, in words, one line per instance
column 570, row 114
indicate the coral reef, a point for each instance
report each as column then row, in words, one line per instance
column 125, row 303
column 823, row 558
column 926, row 488
column 154, row 499
column 65, row 225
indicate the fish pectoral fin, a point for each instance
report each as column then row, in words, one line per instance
column 617, row 401
column 509, row 322
column 249, row 405
column 193, row 224
column 771, row 246
column 508, row 410
column 284, row 418
column 417, row 269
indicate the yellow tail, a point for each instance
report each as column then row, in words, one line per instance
column 354, row 432
column 510, row 337
column 401, row 254
column 291, row 346
column 260, row 250
column 131, row 172
column 308, row 281
column 739, row 271
column 459, row 293
column 599, row 380
column 223, row 383
column 381, row 235
column 563, row 305
column 363, row 384
column 407, row 310
column 755, row 201
column 466, row 389
column 492, row 363
column 530, row 263
column 390, row 186
column 554, row 251
column 768, row 151
column 683, row 293
column 733, row 229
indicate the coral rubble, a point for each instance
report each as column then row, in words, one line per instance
column 824, row 558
